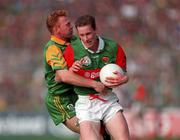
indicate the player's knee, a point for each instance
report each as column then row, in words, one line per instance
column 72, row 125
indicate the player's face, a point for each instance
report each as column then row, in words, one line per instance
column 87, row 35
column 64, row 28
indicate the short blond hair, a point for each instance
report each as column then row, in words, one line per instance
column 53, row 17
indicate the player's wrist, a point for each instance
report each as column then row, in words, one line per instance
column 94, row 84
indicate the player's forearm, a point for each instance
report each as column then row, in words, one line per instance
column 74, row 79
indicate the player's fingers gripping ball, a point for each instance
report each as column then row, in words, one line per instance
column 112, row 73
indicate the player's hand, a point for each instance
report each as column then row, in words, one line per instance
column 113, row 82
column 76, row 66
column 99, row 87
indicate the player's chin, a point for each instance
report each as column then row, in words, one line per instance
column 89, row 44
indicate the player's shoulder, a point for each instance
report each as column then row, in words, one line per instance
column 51, row 46
column 49, row 43
column 110, row 42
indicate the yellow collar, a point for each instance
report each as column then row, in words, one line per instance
column 58, row 40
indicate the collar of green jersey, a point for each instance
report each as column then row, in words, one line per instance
column 100, row 46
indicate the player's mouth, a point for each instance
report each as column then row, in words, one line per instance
column 89, row 43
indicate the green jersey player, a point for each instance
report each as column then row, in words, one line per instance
column 60, row 98
column 86, row 57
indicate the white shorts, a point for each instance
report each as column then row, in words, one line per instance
column 88, row 109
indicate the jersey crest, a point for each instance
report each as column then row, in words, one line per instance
column 86, row 61
column 105, row 59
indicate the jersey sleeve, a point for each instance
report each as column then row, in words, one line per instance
column 69, row 55
column 54, row 57
column 121, row 58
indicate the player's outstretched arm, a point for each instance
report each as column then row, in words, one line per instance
column 75, row 79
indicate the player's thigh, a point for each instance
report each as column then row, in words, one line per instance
column 60, row 107
column 72, row 124
column 90, row 130
column 117, row 127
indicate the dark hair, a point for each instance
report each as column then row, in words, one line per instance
column 53, row 17
column 86, row 20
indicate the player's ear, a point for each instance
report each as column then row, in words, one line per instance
column 56, row 29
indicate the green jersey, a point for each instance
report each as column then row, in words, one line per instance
column 108, row 52
column 54, row 60
column 61, row 98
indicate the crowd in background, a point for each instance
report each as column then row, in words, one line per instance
column 149, row 32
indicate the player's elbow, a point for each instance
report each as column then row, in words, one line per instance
column 57, row 79
column 61, row 76
column 64, row 79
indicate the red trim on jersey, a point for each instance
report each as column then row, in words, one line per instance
column 121, row 58
column 69, row 55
